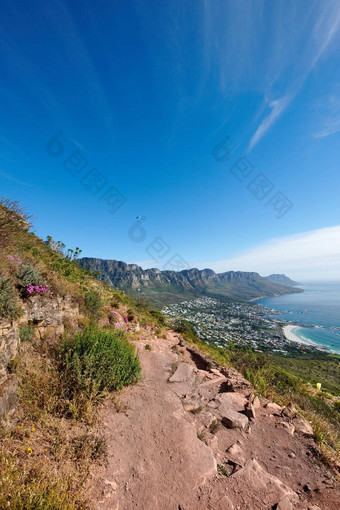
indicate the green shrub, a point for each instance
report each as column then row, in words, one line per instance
column 25, row 333
column 27, row 275
column 95, row 361
column 160, row 318
column 92, row 302
column 187, row 330
column 8, row 306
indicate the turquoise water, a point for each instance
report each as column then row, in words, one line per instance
column 322, row 302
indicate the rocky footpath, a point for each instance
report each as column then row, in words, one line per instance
column 192, row 435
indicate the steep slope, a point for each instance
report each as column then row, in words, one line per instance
column 171, row 286
column 282, row 279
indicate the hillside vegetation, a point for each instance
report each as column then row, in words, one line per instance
column 48, row 446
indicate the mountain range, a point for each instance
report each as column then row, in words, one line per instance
column 165, row 287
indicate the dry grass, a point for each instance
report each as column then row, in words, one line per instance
column 45, row 456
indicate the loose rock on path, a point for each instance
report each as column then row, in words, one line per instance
column 187, row 436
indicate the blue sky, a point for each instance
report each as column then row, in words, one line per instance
column 144, row 92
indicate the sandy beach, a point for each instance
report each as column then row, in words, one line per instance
column 288, row 332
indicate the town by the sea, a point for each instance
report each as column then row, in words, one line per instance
column 315, row 314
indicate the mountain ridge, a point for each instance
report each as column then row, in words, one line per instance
column 173, row 286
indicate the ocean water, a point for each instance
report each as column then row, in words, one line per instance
column 317, row 306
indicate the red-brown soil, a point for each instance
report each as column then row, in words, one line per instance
column 170, row 446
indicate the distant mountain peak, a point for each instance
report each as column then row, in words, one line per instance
column 282, row 279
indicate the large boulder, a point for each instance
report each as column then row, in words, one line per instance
column 235, row 401
column 232, row 419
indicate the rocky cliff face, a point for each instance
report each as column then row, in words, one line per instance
column 177, row 286
column 47, row 318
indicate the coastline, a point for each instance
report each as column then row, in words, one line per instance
column 295, row 330
column 289, row 334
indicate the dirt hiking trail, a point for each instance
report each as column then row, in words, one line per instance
column 191, row 435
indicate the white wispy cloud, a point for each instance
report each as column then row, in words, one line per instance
column 277, row 108
column 272, row 55
column 321, row 31
column 312, row 255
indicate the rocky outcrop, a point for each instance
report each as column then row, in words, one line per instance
column 253, row 475
column 9, row 339
column 47, row 317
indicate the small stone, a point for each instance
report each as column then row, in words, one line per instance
column 314, row 507
column 304, row 427
column 256, row 403
column 288, row 426
column 291, row 455
column 284, row 504
column 207, row 419
column 289, row 411
column 235, row 455
column 249, row 410
column 213, row 404
column 213, row 442
column 224, row 504
column 192, row 404
column 112, row 485
column 271, row 406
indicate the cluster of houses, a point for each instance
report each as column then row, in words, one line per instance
column 219, row 321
